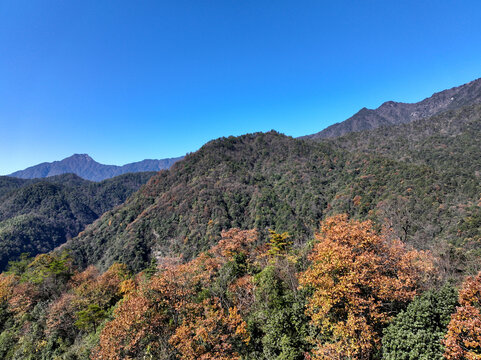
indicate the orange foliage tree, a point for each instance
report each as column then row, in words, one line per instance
column 179, row 313
column 139, row 327
column 359, row 280
column 209, row 332
column 463, row 339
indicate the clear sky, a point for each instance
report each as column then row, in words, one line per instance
column 128, row 80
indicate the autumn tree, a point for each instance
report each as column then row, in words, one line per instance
column 210, row 332
column 279, row 244
column 61, row 316
column 463, row 339
column 358, row 280
column 186, row 310
column 139, row 328
column 210, row 325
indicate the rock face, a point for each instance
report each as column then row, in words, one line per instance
column 87, row 168
column 393, row 113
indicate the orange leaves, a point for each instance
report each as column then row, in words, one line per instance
column 235, row 241
column 176, row 311
column 242, row 291
column 7, row 282
column 102, row 290
column 61, row 314
column 207, row 332
column 23, row 298
column 357, row 279
column 470, row 294
column 463, row 339
column 136, row 321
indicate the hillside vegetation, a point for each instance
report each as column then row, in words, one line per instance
column 354, row 293
column 425, row 190
column 38, row 215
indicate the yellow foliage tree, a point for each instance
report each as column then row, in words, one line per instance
column 359, row 280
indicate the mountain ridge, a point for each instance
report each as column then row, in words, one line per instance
column 393, row 113
column 89, row 169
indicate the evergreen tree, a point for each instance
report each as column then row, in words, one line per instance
column 416, row 333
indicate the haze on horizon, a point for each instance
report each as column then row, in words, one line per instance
column 124, row 81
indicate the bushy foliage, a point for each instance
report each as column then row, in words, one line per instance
column 417, row 332
column 248, row 297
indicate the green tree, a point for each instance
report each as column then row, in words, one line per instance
column 278, row 322
column 90, row 318
column 416, row 333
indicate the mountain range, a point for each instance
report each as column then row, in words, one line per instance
column 269, row 180
column 87, row 168
column 240, row 247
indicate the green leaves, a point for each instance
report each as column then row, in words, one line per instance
column 90, row 318
column 416, row 333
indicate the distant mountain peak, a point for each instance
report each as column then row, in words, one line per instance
column 86, row 167
column 393, row 113
column 80, row 156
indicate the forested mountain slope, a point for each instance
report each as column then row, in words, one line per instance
column 425, row 141
column 38, row 215
column 8, row 184
column 87, row 168
column 273, row 181
column 394, row 113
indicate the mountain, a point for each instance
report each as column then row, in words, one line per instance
column 393, row 113
column 87, row 168
column 271, row 181
column 38, row 215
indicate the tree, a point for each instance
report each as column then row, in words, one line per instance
column 277, row 317
column 463, row 339
column 90, row 317
column 139, row 328
column 358, row 281
column 417, row 332
column 209, row 332
column 179, row 313
column 279, row 244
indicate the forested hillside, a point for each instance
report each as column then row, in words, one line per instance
column 38, row 215
column 273, row 181
column 353, row 293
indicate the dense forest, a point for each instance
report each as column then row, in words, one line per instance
column 38, row 215
column 262, row 246
column 354, row 292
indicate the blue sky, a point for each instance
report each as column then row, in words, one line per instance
column 128, row 80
